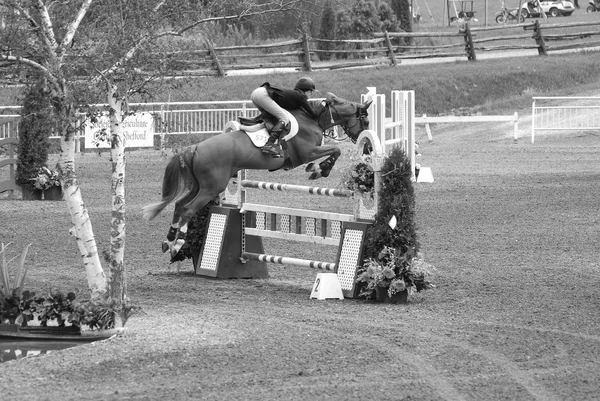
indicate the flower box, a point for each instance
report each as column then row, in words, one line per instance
column 54, row 193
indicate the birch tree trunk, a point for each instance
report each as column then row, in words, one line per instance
column 81, row 228
column 117, row 283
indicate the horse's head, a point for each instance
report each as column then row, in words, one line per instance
column 353, row 117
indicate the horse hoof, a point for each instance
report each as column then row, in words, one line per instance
column 310, row 167
column 315, row 175
column 165, row 246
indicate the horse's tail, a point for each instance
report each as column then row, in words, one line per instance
column 177, row 175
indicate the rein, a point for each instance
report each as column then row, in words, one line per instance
column 360, row 115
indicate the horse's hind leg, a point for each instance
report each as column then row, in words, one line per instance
column 185, row 213
column 179, row 207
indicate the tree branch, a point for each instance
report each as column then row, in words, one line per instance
column 263, row 9
column 72, row 27
column 46, row 22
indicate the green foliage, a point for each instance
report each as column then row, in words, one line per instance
column 60, row 309
column 18, row 308
column 327, row 30
column 56, row 306
column 12, row 296
column 98, row 315
column 401, row 9
column 35, row 128
column 365, row 19
column 389, row 21
column 396, row 198
column 391, row 270
column 392, row 257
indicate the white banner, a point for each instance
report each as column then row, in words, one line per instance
column 138, row 131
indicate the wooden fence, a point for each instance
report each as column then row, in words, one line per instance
column 385, row 48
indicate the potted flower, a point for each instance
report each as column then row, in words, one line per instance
column 391, row 276
column 48, row 182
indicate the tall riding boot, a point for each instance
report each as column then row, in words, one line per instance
column 270, row 148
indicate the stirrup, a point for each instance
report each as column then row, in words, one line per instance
column 271, row 151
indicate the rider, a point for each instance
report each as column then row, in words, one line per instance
column 273, row 100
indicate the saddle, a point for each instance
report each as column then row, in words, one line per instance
column 262, row 118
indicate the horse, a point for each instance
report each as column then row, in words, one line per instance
column 206, row 167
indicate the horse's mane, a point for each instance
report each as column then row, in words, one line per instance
column 329, row 97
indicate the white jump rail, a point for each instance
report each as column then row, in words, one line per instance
column 564, row 113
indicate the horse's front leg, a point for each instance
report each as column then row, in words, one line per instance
column 324, row 168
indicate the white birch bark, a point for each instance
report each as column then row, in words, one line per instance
column 117, row 282
column 81, row 228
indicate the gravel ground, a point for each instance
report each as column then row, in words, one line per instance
column 511, row 228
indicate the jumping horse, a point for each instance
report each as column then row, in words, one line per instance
column 204, row 169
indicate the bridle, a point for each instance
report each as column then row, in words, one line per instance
column 360, row 116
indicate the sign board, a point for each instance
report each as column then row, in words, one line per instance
column 138, row 132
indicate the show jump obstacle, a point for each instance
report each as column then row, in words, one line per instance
column 233, row 246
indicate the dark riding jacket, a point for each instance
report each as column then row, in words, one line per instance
column 290, row 99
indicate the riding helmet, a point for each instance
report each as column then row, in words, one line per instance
column 305, row 84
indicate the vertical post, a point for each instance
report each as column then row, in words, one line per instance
column 539, row 38
column 469, row 44
column 78, row 137
column 391, row 49
column 162, row 128
column 307, row 64
column 532, row 120
column 397, row 114
column 516, row 130
column 213, row 54
column 11, row 166
column 408, row 129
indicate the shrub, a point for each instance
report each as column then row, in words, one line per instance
column 396, row 198
column 34, row 132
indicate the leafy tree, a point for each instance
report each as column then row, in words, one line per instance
column 34, row 132
column 343, row 24
column 402, row 10
column 365, row 19
column 388, row 19
column 327, row 30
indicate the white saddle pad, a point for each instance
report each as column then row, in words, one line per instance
column 258, row 134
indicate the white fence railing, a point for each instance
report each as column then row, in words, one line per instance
column 169, row 118
column 562, row 113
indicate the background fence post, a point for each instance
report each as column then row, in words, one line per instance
column 307, row 65
column 539, row 39
column 389, row 45
column 469, row 43
column 213, row 54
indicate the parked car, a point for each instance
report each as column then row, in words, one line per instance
column 553, row 8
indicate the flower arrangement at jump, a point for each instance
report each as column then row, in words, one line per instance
column 392, row 273
column 360, row 178
column 393, row 264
